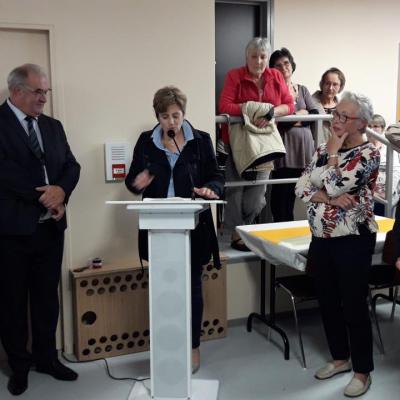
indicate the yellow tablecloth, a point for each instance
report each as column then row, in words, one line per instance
column 277, row 235
column 287, row 242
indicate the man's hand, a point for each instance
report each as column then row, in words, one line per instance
column 52, row 196
column 58, row 212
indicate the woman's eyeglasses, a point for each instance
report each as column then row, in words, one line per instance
column 342, row 117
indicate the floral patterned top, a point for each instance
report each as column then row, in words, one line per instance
column 355, row 174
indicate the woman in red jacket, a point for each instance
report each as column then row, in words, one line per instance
column 252, row 82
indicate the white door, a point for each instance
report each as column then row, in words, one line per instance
column 17, row 47
column 20, row 46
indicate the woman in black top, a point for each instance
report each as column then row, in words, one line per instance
column 159, row 170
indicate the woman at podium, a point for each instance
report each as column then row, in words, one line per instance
column 174, row 159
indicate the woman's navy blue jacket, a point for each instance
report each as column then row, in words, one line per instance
column 198, row 155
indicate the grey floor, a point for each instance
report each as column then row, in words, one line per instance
column 247, row 365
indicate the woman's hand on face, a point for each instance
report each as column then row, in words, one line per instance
column 345, row 201
column 142, row 180
column 335, row 142
column 261, row 122
column 398, row 263
column 206, row 193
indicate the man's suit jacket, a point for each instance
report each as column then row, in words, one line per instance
column 21, row 171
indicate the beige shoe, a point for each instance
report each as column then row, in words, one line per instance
column 330, row 370
column 195, row 360
column 357, row 387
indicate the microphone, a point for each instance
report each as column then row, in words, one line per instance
column 171, row 134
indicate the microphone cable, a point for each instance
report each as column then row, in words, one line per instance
column 107, row 369
column 171, row 134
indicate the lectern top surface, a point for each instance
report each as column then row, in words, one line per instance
column 170, row 200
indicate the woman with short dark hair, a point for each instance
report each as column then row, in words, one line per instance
column 297, row 138
column 159, row 170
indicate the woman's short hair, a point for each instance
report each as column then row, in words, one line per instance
column 19, row 75
column 283, row 52
column 336, row 71
column 378, row 120
column 259, row 44
column 168, row 96
column 365, row 109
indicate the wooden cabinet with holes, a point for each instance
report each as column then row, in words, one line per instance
column 111, row 310
column 214, row 324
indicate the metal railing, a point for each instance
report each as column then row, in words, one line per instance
column 318, row 119
column 388, row 201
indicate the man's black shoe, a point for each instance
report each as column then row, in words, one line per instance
column 58, row 371
column 18, row 383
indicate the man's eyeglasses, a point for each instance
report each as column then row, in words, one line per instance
column 342, row 117
column 36, row 92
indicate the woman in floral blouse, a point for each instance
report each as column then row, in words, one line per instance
column 338, row 188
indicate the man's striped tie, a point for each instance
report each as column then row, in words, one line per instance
column 33, row 140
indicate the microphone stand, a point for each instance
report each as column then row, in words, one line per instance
column 171, row 134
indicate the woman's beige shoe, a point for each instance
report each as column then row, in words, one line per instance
column 195, row 360
column 330, row 370
column 357, row 387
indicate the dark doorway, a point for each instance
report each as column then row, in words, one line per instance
column 236, row 22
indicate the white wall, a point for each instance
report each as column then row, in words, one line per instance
column 110, row 58
column 361, row 37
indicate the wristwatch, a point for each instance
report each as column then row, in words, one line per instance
column 270, row 114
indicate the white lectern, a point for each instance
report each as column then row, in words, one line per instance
column 169, row 223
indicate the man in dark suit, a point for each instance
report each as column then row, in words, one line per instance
column 38, row 173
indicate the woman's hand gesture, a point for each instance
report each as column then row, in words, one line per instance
column 206, row 193
column 143, row 180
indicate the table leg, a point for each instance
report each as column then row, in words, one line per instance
column 384, row 296
column 270, row 319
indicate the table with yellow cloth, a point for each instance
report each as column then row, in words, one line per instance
column 286, row 243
